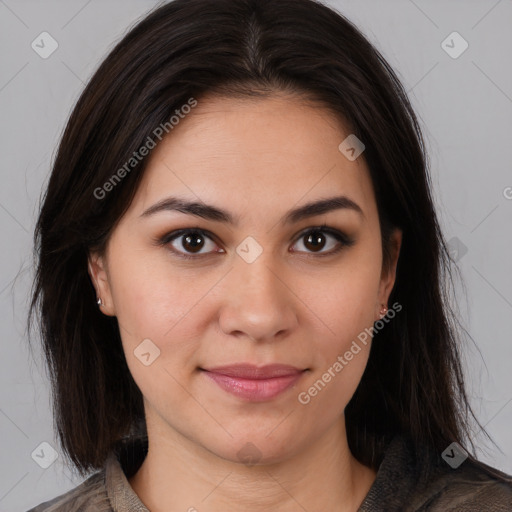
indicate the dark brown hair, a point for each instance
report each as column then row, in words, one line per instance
column 413, row 382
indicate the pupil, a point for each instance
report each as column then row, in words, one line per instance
column 195, row 241
column 316, row 239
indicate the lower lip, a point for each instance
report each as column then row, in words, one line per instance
column 255, row 390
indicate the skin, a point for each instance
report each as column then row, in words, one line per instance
column 257, row 159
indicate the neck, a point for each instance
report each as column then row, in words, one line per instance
column 177, row 474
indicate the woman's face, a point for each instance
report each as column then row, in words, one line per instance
column 259, row 287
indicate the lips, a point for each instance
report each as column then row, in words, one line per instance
column 249, row 371
column 254, row 383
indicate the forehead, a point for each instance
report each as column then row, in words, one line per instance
column 255, row 154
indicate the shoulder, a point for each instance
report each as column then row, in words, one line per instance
column 472, row 487
column 89, row 496
column 416, row 478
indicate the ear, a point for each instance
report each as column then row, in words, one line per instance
column 388, row 274
column 98, row 273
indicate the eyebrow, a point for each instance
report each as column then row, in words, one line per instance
column 213, row 213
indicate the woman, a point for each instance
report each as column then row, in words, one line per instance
column 242, row 279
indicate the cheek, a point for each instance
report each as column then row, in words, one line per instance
column 149, row 294
column 156, row 303
column 347, row 309
column 156, row 309
column 340, row 358
column 352, row 288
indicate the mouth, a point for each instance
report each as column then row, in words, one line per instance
column 254, row 383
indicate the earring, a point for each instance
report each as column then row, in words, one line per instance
column 383, row 311
column 99, row 302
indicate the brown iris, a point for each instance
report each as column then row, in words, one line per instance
column 316, row 240
column 193, row 242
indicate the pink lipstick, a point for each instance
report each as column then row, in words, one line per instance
column 254, row 383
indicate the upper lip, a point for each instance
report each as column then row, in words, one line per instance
column 250, row 371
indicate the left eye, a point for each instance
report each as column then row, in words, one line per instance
column 315, row 240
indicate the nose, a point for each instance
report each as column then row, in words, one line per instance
column 258, row 302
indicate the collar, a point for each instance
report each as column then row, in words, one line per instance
column 121, row 464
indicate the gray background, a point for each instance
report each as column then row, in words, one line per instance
column 465, row 105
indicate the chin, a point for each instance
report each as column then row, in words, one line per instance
column 256, row 448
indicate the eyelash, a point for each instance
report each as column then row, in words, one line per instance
column 343, row 240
